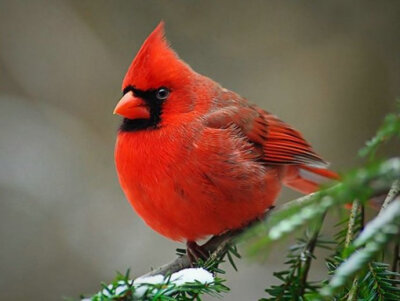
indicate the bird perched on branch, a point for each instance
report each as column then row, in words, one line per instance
column 195, row 159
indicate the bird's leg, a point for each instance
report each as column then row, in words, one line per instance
column 195, row 252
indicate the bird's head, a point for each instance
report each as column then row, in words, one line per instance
column 157, row 83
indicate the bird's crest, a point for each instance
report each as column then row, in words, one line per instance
column 156, row 64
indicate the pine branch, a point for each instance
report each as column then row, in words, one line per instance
column 349, row 238
column 389, row 129
column 354, row 290
column 365, row 247
column 307, row 255
column 379, row 283
column 290, row 287
column 392, row 194
column 362, row 184
column 162, row 288
column 342, row 235
column 295, row 284
column 374, row 275
column 348, row 228
column 352, row 222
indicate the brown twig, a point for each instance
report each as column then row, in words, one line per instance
column 391, row 195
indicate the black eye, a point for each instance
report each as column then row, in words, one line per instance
column 162, row 93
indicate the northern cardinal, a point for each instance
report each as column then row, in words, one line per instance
column 195, row 159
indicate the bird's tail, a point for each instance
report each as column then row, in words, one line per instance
column 307, row 179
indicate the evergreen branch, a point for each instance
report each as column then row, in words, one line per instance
column 349, row 237
column 372, row 240
column 294, row 280
column 392, row 194
column 348, row 228
column 342, row 235
column 354, row 290
column 307, row 255
column 362, row 184
column 389, row 129
column 286, row 290
column 159, row 288
column 289, row 289
column 384, row 223
column 352, row 222
column 374, row 278
column 379, row 283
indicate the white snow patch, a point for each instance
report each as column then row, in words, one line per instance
column 141, row 288
column 192, row 275
column 176, row 279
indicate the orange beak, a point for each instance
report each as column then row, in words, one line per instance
column 132, row 107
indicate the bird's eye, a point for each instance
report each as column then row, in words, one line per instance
column 162, row 93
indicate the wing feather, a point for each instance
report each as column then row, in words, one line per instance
column 279, row 142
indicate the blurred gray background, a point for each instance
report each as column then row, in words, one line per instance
column 331, row 69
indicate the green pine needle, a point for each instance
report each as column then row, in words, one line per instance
column 360, row 184
column 376, row 235
column 390, row 128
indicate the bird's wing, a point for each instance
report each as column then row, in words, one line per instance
column 278, row 142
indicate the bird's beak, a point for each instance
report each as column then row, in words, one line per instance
column 132, row 107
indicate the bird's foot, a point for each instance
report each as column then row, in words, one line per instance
column 195, row 252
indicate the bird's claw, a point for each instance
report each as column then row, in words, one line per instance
column 195, row 252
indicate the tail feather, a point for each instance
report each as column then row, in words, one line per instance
column 307, row 179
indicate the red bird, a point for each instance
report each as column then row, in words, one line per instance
column 195, row 159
